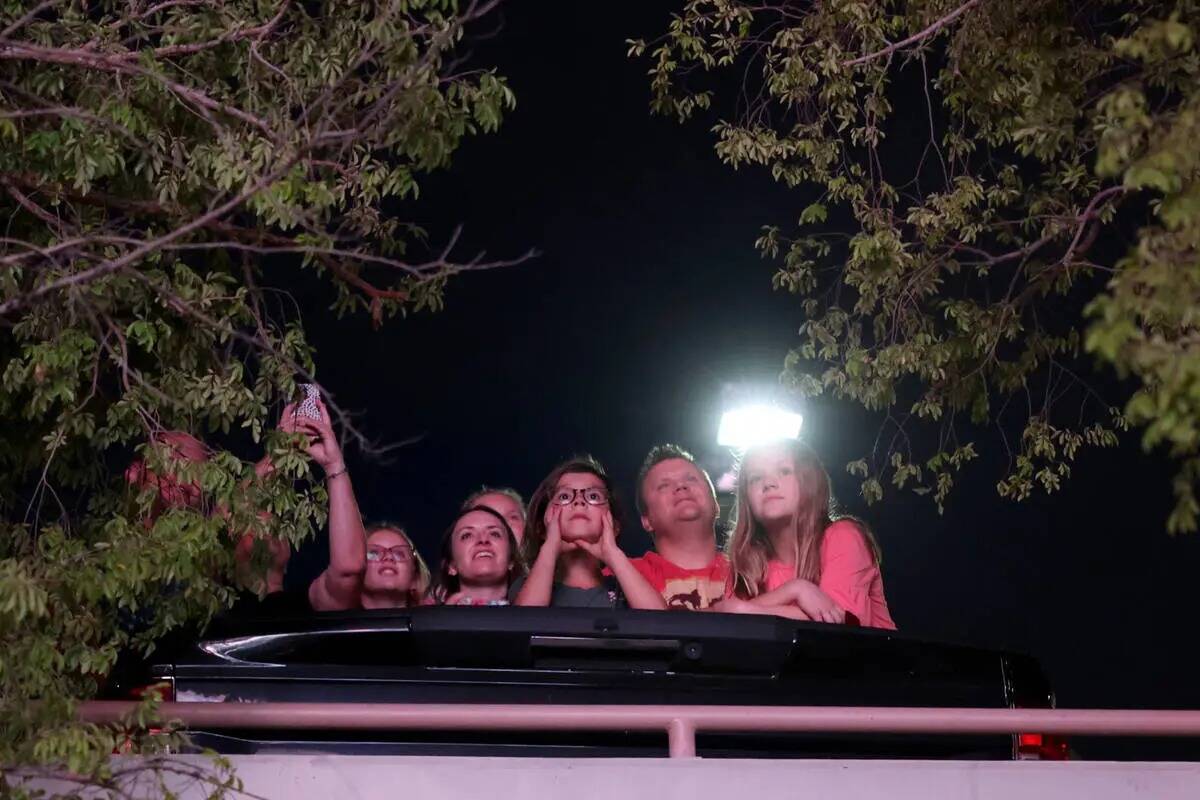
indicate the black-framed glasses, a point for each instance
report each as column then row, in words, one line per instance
column 397, row 553
column 593, row 496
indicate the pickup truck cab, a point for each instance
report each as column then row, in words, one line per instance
column 509, row 655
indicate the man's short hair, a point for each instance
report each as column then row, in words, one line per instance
column 658, row 454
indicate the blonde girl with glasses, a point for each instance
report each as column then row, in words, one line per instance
column 375, row 566
column 789, row 555
column 395, row 576
column 571, row 538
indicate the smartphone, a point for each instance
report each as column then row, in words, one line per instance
column 308, row 406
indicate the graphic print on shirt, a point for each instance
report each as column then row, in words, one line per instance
column 692, row 593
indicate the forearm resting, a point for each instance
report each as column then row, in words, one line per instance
column 539, row 586
column 638, row 591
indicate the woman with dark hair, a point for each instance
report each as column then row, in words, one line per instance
column 571, row 536
column 504, row 500
column 480, row 558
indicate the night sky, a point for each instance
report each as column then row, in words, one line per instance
column 648, row 299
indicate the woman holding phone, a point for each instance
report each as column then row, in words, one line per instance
column 373, row 566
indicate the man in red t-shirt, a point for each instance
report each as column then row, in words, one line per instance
column 678, row 507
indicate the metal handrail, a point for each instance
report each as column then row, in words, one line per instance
column 680, row 723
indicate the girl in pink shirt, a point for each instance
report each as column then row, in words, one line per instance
column 788, row 556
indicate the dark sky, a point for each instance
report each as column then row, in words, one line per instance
column 647, row 299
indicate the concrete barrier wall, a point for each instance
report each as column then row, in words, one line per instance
column 305, row 777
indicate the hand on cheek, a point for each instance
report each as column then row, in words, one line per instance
column 554, row 539
column 605, row 547
column 608, row 535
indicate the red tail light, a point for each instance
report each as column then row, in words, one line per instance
column 166, row 689
column 1042, row 747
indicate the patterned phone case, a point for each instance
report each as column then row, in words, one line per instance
column 308, row 406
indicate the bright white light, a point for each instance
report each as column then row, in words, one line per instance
column 750, row 425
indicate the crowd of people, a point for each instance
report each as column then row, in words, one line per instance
column 787, row 553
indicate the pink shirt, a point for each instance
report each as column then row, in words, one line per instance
column 849, row 575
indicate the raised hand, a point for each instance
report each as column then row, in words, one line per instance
column 539, row 585
column 554, row 539
column 607, row 546
column 322, row 444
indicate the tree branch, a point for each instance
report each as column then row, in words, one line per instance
column 109, row 267
column 916, row 37
column 117, row 64
column 28, row 17
column 257, row 32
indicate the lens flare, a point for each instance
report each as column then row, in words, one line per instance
column 752, row 425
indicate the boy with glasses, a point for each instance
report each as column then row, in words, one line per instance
column 570, row 538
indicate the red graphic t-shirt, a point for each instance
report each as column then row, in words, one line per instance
column 689, row 589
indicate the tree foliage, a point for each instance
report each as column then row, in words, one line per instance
column 991, row 162
column 166, row 167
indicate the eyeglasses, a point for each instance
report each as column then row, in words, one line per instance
column 592, row 496
column 397, row 553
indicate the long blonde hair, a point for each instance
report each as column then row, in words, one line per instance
column 750, row 548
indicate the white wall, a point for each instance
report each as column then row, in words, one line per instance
column 300, row 777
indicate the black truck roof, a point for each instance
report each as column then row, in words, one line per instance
column 586, row 656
